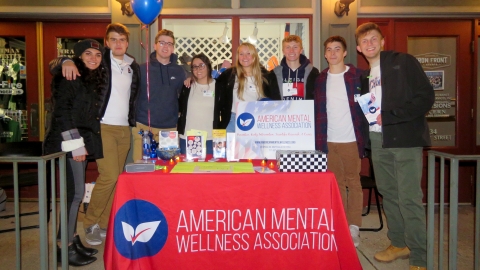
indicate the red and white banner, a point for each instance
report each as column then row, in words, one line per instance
column 228, row 221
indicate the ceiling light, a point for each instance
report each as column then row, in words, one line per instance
column 224, row 38
column 253, row 38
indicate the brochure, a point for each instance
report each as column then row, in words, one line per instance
column 219, row 142
column 168, row 139
column 370, row 107
column 196, row 144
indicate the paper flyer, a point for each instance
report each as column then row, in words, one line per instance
column 196, row 144
column 168, row 139
column 231, row 147
column 219, row 142
column 370, row 107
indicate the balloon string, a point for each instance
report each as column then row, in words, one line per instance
column 148, row 79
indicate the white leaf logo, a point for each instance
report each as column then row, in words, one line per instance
column 245, row 122
column 143, row 232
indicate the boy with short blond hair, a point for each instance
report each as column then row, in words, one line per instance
column 295, row 74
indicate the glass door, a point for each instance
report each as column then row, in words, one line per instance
column 18, row 82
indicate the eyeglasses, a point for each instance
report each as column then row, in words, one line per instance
column 199, row 67
column 165, row 44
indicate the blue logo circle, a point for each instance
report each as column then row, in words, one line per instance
column 140, row 229
column 245, row 121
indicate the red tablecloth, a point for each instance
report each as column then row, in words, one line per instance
column 228, row 221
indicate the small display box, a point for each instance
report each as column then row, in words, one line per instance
column 301, row 161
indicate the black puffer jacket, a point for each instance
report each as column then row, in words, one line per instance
column 76, row 106
column 56, row 67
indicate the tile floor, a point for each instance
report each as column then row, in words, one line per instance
column 371, row 241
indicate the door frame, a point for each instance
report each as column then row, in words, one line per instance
column 29, row 31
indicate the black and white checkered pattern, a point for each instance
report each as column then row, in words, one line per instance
column 301, row 161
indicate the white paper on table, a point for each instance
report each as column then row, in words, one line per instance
column 231, row 147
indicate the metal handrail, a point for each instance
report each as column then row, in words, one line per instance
column 42, row 201
column 453, row 215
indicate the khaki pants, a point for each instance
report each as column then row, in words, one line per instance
column 116, row 144
column 344, row 162
column 137, row 139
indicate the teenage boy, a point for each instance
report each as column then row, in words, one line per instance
column 397, row 139
column 157, row 107
column 295, row 74
column 117, row 115
column 339, row 128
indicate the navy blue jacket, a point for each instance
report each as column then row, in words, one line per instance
column 165, row 83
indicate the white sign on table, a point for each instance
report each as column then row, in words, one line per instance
column 263, row 127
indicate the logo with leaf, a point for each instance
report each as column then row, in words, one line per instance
column 245, row 121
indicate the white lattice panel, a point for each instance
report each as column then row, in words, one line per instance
column 216, row 51
column 266, row 48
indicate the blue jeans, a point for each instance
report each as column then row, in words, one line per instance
column 231, row 124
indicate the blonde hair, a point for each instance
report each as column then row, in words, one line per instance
column 256, row 72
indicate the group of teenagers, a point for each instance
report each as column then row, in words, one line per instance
column 102, row 98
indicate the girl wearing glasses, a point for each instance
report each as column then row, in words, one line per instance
column 198, row 101
column 246, row 81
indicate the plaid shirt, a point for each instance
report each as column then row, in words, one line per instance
column 353, row 85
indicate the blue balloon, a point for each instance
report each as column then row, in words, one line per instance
column 147, row 10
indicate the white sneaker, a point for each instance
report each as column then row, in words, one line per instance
column 92, row 235
column 355, row 233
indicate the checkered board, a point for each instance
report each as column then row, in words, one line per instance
column 301, row 161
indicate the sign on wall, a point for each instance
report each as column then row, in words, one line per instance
column 437, row 57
